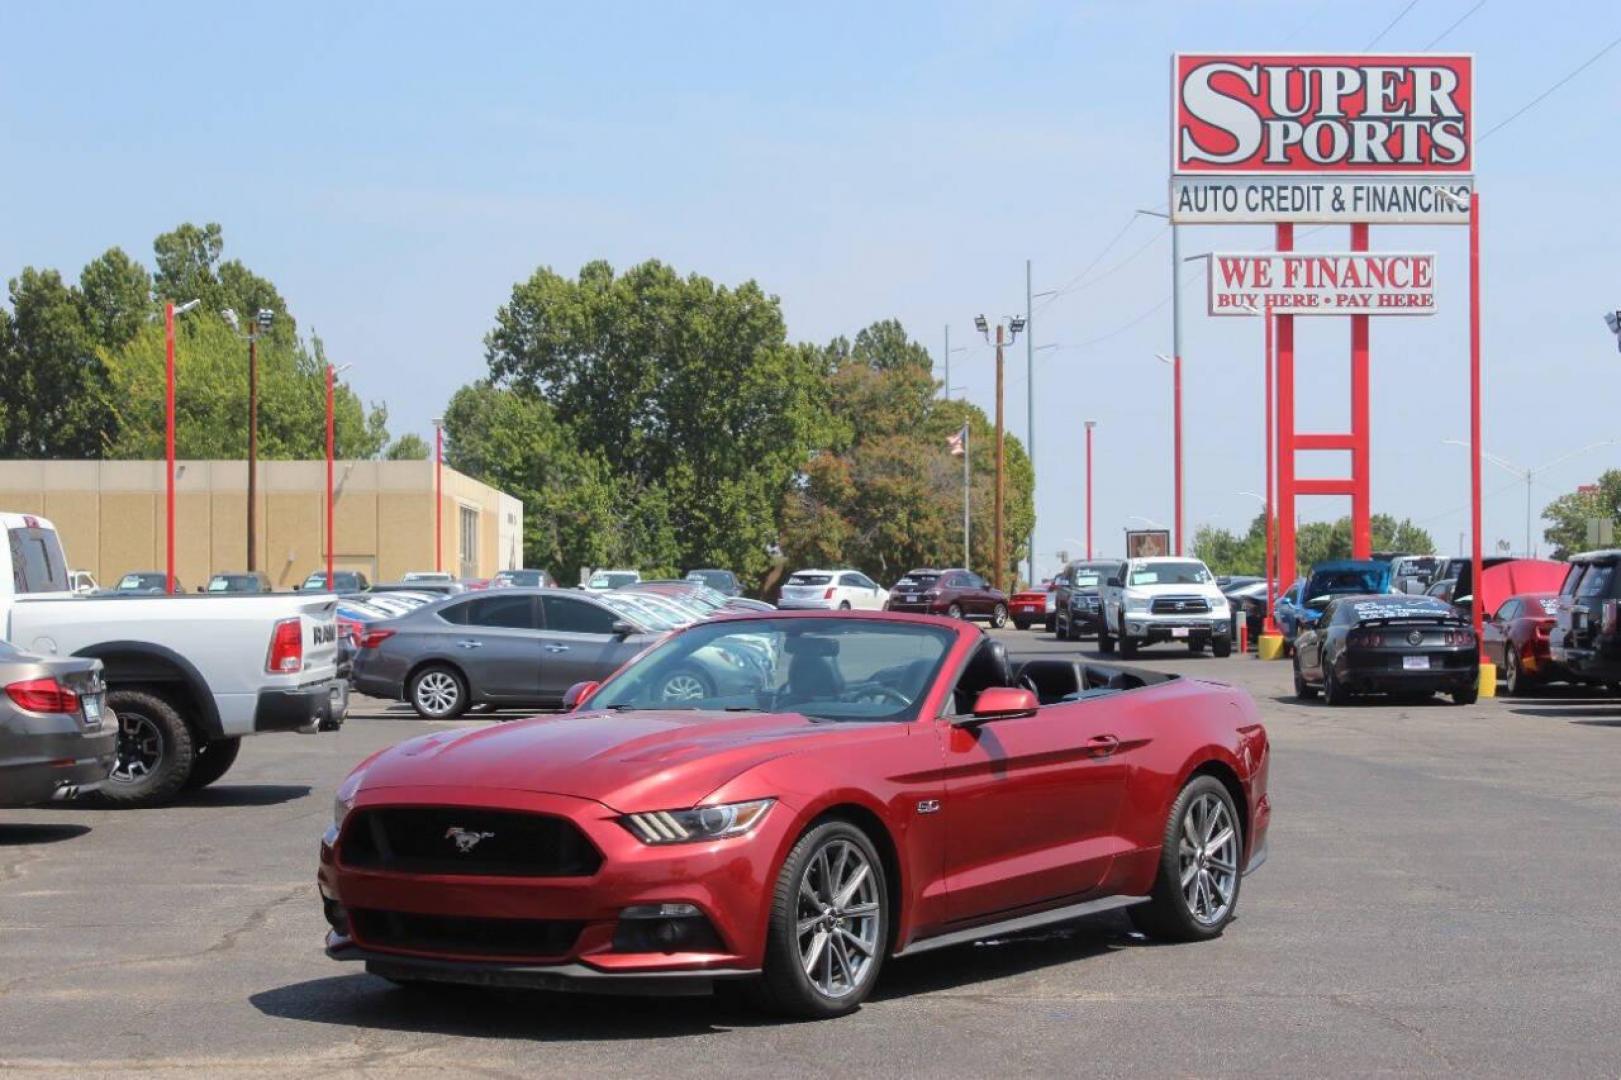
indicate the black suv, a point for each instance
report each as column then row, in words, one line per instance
column 1586, row 638
column 1077, row 608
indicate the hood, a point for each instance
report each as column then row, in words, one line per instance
column 627, row 761
column 1519, row 576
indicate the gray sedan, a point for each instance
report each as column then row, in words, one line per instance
column 57, row 739
column 511, row 647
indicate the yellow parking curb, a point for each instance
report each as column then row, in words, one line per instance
column 1269, row 647
column 1488, row 679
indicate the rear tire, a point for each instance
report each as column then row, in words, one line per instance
column 1020, row 624
column 823, row 857
column 214, row 759
column 1467, row 697
column 998, row 616
column 1203, row 845
column 1303, row 690
column 1333, row 693
column 1514, row 681
column 954, row 611
column 844, row 605
column 155, row 751
column 438, row 692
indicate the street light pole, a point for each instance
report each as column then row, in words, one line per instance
column 169, row 312
column 438, row 493
column 1090, row 424
column 260, row 326
column 1030, row 415
column 331, row 453
column 1006, row 334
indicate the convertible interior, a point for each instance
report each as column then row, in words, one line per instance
column 1053, row 680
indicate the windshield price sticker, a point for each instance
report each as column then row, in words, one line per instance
column 1350, row 283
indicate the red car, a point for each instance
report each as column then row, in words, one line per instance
column 958, row 594
column 887, row 784
column 1034, row 605
column 1515, row 638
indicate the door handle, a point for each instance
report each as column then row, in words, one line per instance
column 1103, row 745
column 469, row 644
column 557, row 648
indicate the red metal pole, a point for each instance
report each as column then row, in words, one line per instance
column 1475, row 568
column 330, row 450
column 1176, row 419
column 1271, row 570
column 168, row 476
column 1285, row 430
column 438, row 497
column 1362, row 487
column 1089, row 492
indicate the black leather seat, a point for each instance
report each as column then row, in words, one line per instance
column 988, row 667
column 813, row 678
column 1052, row 680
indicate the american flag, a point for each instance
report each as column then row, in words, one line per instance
column 957, row 441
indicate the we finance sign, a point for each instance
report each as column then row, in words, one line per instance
column 1321, row 137
column 1299, row 283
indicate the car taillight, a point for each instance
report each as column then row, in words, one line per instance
column 43, row 696
column 1365, row 639
column 286, row 647
column 1544, row 628
column 371, row 638
column 349, row 628
column 828, row 595
column 1458, row 637
column 1609, row 620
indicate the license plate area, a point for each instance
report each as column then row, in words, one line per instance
column 1180, row 631
column 92, row 706
column 1415, row 663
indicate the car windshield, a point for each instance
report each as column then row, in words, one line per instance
column 520, row 577
column 1399, row 607
column 826, row 669
column 1085, row 579
column 612, row 581
column 1170, row 573
column 233, row 583
column 917, row 581
column 810, row 579
column 719, row 579
column 1341, row 582
column 640, row 611
column 141, row 581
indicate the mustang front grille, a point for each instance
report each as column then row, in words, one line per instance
column 471, row 842
column 525, row 938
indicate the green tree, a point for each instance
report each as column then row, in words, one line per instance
column 686, row 391
column 1571, row 512
column 408, row 447
column 55, row 385
column 189, row 267
column 117, row 293
column 1315, row 542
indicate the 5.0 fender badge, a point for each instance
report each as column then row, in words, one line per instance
column 928, row 806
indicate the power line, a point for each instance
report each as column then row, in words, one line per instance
column 1529, row 105
column 1455, row 24
column 1111, row 271
column 1391, row 25
column 1115, row 239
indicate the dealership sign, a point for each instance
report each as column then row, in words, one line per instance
column 1302, row 283
column 1266, row 138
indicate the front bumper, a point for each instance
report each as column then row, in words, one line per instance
column 1177, row 627
column 728, row 881
column 317, row 706
column 48, row 758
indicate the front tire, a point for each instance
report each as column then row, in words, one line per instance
column 437, row 692
column 1105, row 642
column 214, row 759
column 1221, row 648
column 998, row 616
column 156, row 751
column 1196, row 892
column 829, row 925
column 1128, row 646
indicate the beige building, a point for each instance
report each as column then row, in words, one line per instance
column 111, row 517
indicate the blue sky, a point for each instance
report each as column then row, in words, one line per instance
column 395, row 168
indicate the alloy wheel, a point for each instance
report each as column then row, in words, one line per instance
column 1511, row 673
column 683, row 686
column 1208, row 859
column 838, row 919
column 437, row 692
column 140, row 748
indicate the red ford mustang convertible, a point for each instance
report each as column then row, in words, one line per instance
column 791, row 800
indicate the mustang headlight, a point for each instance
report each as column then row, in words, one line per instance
column 344, row 801
column 699, row 823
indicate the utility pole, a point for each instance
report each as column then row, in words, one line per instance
column 1006, row 334
column 947, row 356
column 1030, row 414
column 259, row 327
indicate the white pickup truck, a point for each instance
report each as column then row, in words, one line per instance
column 1164, row 598
column 187, row 676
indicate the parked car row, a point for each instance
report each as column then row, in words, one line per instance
column 139, row 697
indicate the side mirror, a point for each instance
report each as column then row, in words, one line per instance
column 1000, row 703
column 578, row 694
column 623, row 629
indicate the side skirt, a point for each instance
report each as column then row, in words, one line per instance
column 1023, row 922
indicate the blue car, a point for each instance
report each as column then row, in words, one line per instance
column 1300, row 607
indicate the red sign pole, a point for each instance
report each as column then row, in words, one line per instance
column 1090, row 424
column 1285, row 432
column 438, row 497
column 168, row 442
column 1361, row 483
column 1269, row 503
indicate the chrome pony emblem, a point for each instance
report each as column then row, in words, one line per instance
column 466, row 839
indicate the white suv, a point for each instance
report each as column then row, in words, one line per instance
column 1165, row 599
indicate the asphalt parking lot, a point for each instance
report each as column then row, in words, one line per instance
column 1441, row 898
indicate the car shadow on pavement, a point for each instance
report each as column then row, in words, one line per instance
column 1596, row 714
column 222, row 795
column 36, row 832
column 366, row 1001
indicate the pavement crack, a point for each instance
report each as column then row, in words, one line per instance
column 257, row 917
